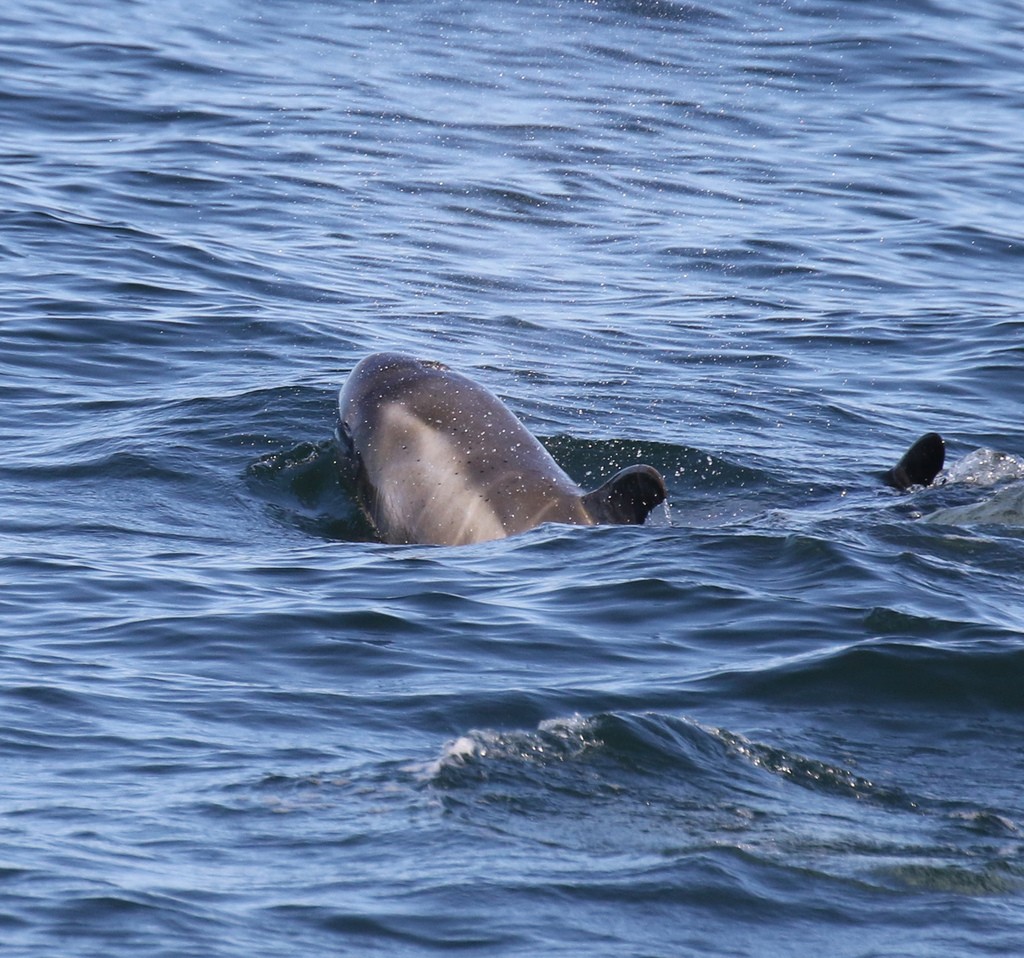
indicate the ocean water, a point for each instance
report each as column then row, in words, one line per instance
column 761, row 246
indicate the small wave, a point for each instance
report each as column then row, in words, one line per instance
column 994, row 879
column 304, row 487
column 811, row 773
column 621, row 746
column 669, row 10
column 102, row 464
column 890, row 673
column 662, row 789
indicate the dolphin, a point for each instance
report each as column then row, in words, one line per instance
column 436, row 458
column 920, row 464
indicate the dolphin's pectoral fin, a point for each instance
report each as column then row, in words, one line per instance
column 920, row 464
column 628, row 497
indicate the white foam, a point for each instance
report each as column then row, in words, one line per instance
column 985, row 467
column 572, row 735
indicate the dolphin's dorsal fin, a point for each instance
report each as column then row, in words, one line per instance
column 920, row 464
column 627, row 497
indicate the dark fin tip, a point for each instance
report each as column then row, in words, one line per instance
column 920, row 464
column 628, row 497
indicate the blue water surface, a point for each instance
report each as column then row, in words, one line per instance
column 761, row 246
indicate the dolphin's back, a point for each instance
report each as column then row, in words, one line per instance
column 438, row 458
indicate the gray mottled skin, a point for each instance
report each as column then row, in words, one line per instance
column 437, row 458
